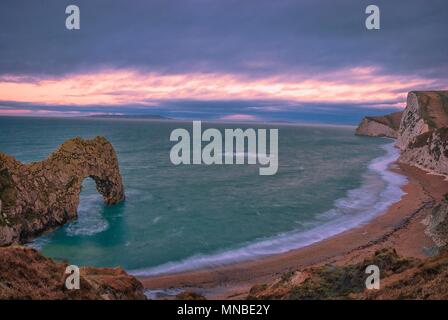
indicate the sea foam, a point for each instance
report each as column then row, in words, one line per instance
column 90, row 219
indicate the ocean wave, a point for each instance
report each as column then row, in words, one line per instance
column 162, row 293
column 38, row 243
column 379, row 190
column 90, row 219
column 246, row 155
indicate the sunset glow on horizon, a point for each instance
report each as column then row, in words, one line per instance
column 122, row 87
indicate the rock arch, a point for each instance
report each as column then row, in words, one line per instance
column 42, row 195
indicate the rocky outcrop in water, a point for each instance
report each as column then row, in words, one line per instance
column 384, row 126
column 39, row 196
column 25, row 274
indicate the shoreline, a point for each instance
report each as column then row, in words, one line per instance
column 399, row 227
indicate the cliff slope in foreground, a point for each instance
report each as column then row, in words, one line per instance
column 39, row 196
column 25, row 274
column 401, row 278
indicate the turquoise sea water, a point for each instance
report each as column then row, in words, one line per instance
column 184, row 217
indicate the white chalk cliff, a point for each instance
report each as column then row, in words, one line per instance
column 422, row 137
column 422, row 131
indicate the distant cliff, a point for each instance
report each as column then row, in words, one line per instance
column 39, row 196
column 383, row 126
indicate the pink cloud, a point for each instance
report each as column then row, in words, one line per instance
column 14, row 111
column 239, row 117
column 118, row 87
column 43, row 112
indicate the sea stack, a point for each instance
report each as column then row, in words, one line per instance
column 40, row 196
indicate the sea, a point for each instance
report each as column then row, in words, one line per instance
column 186, row 217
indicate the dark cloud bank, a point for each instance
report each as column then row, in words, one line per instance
column 254, row 38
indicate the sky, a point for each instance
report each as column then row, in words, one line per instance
column 233, row 60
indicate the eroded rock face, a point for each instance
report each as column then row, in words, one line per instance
column 423, row 131
column 385, row 126
column 26, row 274
column 425, row 111
column 42, row 195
